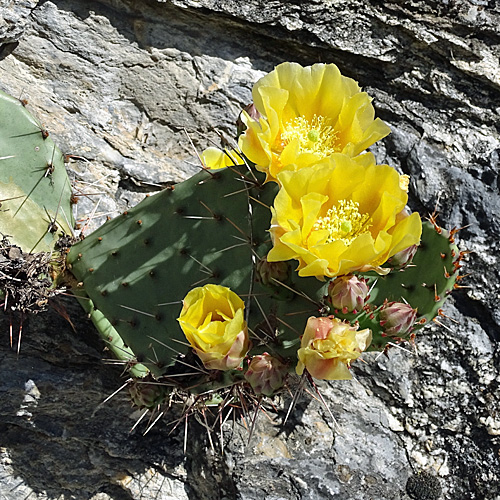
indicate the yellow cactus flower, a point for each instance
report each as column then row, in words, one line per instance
column 308, row 113
column 212, row 319
column 328, row 346
column 341, row 216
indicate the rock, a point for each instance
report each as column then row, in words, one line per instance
column 129, row 89
column 15, row 18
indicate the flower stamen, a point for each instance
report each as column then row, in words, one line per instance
column 314, row 136
column 343, row 222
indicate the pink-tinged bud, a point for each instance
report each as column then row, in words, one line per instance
column 404, row 257
column 266, row 374
column 269, row 273
column 252, row 112
column 348, row 293
column 397, row 319
column 328, row 346
column 146, row 395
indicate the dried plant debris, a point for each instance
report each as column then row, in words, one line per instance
column 25, row 279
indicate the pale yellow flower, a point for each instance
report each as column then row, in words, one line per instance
column 308, row 113
column 341, row 216
column 212, row 319
column 328, row 346
column 215, row 159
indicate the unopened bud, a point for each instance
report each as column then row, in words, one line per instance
column 266, row 374
column 397, row 319
column 404, row 257
column 146, row 395
column 348, row 293
column 270, row 273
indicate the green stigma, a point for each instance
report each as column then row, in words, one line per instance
column 313, row 135
column 346, row 226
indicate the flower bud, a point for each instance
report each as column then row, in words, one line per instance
column 328, row 346
column 397, row 319
column 212, row 319
column 404, row 257
column 146, row 395
column 348, row 293
column 266, row 374
column 268, row 272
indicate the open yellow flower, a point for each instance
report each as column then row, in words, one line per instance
column 341, row 216
column 308, row 113
column 328, row 346
column 212, row 319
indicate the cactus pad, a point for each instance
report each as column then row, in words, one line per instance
column 35, row 191
column 424, row 285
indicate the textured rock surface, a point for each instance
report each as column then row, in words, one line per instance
column 121, row 84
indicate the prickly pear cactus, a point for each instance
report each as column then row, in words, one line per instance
column 212, row 228
column 291, row 255
column 196, row 285
column 35, row 191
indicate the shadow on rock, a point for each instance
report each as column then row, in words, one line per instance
column 58, row 439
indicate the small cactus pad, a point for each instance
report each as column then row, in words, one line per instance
column 113, row 340
column 424, row 284
column 35, row 191
column 429, row 279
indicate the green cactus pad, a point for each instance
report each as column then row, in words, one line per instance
column 429, row 279
column 425, row 284
column 111, row 337
column 35, row 191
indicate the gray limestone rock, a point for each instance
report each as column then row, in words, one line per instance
column 129, row 89
column 14, row 18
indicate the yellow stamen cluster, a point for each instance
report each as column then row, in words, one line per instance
column 314, row 136
column 344, row 222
